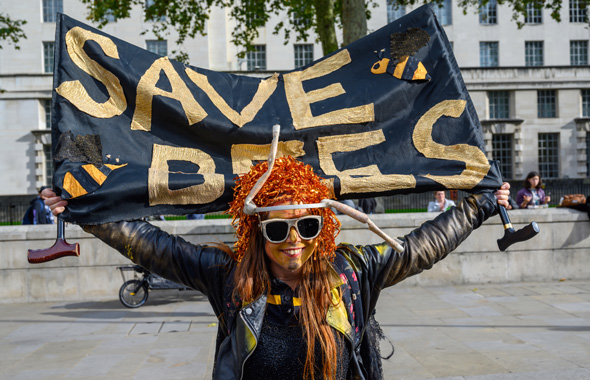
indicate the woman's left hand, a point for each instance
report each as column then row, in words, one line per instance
column 502, row 194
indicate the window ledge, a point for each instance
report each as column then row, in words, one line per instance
column 501, row 121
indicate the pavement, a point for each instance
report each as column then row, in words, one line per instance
column 522, row 331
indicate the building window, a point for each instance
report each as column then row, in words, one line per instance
column 154, row 17
column 499, row 102
column 502, row 151
column 533, row 53
column 549, row 155
column 48, row 57
column 533, row 15
column 546, row 104
column 256, row 59
column 46, row 103
column 50, row 10
column 587, row 154
column 395, row 11
column 157, row 46
column 444, row 13
column 488, row 54
column 48, row 162
column 488, row 13
column 578, row 53
column 586, row 105
column 578, row 11
column 303, row 54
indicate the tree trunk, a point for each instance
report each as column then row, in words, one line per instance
column 324, row 10
column 354, row 20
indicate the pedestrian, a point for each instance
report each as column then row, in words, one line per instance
column 292, row 304
column 440, row 203
column 532, row 194
column 368, row 205
column 38, row 212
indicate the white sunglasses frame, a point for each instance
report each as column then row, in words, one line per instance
column 290, row 224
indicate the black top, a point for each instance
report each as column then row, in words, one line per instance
column 282, row 348
column 281, row 352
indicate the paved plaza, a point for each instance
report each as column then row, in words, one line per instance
column 524, row 331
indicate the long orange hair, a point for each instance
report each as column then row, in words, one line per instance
column 295, row 180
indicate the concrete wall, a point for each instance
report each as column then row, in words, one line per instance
column 560, row 251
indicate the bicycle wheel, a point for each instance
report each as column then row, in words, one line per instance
column 133, row 293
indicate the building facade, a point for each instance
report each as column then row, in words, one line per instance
column 530, row 86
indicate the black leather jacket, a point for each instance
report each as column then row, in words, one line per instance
column 368, row 269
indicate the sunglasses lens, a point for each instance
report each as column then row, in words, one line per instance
column 277, row 231
column 308, row 227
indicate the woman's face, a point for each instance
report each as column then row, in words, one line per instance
column 534, row 181
column 287, row 258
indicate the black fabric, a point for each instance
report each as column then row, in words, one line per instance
column 281, row 351
column 368, row 205
column 394, row 110
column 36, row 213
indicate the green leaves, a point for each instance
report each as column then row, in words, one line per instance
column 10, row 30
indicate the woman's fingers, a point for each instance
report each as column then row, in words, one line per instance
column 55, row 203
column 503, row 194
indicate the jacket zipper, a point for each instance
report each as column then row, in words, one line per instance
column 256, row 344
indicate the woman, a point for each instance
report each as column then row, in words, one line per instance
column 290, row 303
column 532, row 193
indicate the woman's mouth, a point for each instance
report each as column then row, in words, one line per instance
column 292, row 252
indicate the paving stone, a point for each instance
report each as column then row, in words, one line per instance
column 520, row 331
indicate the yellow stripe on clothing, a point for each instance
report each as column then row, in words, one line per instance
column 275, row 299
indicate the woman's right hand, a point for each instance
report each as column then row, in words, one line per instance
column 55, row 203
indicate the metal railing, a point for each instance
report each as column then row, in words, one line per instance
column 12, row 213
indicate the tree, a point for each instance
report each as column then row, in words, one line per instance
column 11, row 30
column 189, row 18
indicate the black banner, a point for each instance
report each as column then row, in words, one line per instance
column 136, row 134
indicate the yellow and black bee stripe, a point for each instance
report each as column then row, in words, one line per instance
column 86, row 179
column 408, row 68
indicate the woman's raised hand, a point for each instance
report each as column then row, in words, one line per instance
column 55, row 203
column 502, row 194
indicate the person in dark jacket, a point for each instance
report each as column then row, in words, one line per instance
column 38, row 212
column 291, row 303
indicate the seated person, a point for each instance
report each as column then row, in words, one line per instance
column 440, row 203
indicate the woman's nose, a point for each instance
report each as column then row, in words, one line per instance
column 293, row 235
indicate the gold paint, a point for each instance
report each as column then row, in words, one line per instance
column 265, row 90
column 243, row 155
column 114, row 167
column 372, row 179
column 380, row 67
column 72, row 186
column 476, row 162
column 420, row 73
column 158, row 189
column 507, row 226
column 129, row 252
column 75, row 92
column 96, row 174
column 300, row 101
column 399, row 68
column 146, row 90
column 337, row 317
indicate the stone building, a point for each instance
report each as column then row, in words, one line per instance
column 530, row 86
